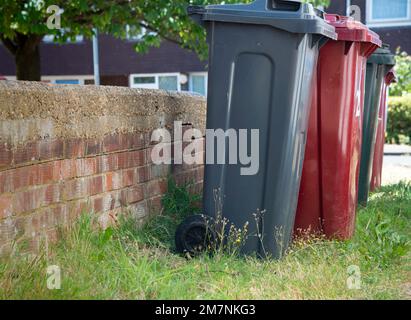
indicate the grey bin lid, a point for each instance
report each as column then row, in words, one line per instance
column 382, row 55
column 289, row 15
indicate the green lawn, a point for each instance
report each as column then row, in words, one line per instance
column 139, row 263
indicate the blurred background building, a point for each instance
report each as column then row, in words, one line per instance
column 173, row 68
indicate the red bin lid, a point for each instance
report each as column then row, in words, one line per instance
column 349, row 29
column 390, row 77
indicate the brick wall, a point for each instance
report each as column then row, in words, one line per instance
column 48, row 177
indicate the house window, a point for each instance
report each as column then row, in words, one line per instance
column 144, row 80
column 198, row 83
column 49, row 38
column 166, row 81
column 67, row 81
column 388, row 12
column 170, row 83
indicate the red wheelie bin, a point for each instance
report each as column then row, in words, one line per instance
column 382, row 125
column 328, row 192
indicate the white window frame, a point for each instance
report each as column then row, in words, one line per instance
column 386, row 22
column 49, row 38
column 190, row 80
column 81, row 79
column 156, row 76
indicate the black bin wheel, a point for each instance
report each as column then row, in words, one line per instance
column 194, row 235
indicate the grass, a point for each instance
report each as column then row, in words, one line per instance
column 138, row 263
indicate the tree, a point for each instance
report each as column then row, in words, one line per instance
column 23, row 25
column 403, row 71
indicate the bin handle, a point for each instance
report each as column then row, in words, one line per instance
column 290, row 5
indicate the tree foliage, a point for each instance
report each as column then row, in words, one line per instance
column 403, row 73
column 23, row 23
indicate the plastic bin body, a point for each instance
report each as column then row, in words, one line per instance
column 376, row 176
column 260, row 71
column 379, row 64
column 328, row 194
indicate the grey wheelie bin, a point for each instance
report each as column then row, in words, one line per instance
column 262, row 59
column 378, row 65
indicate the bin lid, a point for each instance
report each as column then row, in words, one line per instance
column 382, row 55
column 349, row 29
column 289, row 15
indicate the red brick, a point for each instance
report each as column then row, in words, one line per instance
column 185, row 177
column 6, row 205
column 143, row 174
column 67, row 169
column 131, row 159
column 59, row 213
column 48, row 172
column 51, row 149
column 128, row 177
column 26, row 153
column 97, row 204
column 133, row 194
column 24, row 177
column 138, row 210
column 75, row 189
column 52, row 235
column 109, row 218
column 136, row 158
column 83, row 187
column 156, row 187
column 123, row 141
column 9, row 229
column 86, row 167
column 6, row 181
column 77, row 208
column 93, row 147
column 35, row 198
column 137, row 140
column 6, row 156
column 107, row 163
column 113, row 181
column 154, row 204
column 107, row 201
column 74, row 148
column 112, row 143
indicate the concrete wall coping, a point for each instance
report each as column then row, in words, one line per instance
column 34, row 110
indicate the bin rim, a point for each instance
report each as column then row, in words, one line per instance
column 382, row 56
column 304, row 20
column 348, row 29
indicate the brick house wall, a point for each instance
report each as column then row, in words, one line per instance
column 60, row 155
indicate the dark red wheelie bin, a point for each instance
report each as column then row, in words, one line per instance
column 328, row 193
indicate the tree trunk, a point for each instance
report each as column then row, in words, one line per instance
column 28, row 63
column 26, row 52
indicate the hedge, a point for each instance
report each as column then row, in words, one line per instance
column 399, row 120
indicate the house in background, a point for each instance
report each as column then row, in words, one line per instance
column 173, row 68
column 391, row 19
column 168, row 67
